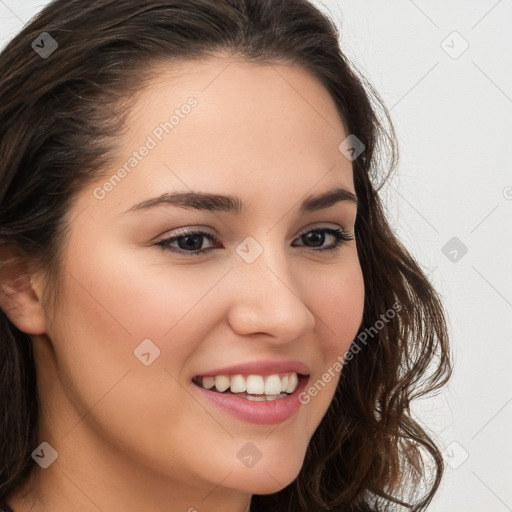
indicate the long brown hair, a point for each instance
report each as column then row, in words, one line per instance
column 61, row 115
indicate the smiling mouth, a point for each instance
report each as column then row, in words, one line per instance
column 257, row 388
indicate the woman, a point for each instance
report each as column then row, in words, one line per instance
column 203, row 305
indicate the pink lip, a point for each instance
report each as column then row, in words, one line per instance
column 267, row 367
column 268, row 413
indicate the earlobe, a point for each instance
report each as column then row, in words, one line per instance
column 19, row 299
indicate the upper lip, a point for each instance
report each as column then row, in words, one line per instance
column 264, row 367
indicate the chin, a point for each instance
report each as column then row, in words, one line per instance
column 267, row 479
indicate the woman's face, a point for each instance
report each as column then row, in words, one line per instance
column 137, row 319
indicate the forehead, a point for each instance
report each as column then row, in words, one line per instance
column 237, row 100
column 222, row 124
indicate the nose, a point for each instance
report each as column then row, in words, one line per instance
column 266, row 299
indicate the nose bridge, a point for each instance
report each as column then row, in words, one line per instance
column 263, row 262
column 266, row 298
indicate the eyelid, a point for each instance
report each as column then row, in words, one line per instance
column 193, row 230
column 341, row 235
column 313, row 227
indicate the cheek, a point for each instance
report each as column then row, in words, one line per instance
column 337, row 301
column 124, row 295
column 111, row 304
column 104, row 315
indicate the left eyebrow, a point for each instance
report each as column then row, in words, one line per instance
column 234, row 205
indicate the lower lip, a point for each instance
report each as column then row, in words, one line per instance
column 268, row 413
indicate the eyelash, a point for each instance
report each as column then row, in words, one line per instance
column 340, row 235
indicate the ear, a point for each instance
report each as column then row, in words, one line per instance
column 21, row 292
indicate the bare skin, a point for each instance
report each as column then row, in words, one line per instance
column 131, row 437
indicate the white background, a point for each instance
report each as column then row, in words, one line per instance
column 452, row 112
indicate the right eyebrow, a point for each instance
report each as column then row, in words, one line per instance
column 234, row 205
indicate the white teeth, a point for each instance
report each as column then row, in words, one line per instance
column 265, row 398
column 272, row 386
column 208, row 382
column 255, row 385
column 238, row 384
column 222, row 383
column 292, row 383
column 256, row 398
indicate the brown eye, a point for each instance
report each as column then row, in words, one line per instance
column 316, row 237
column 188, row 242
